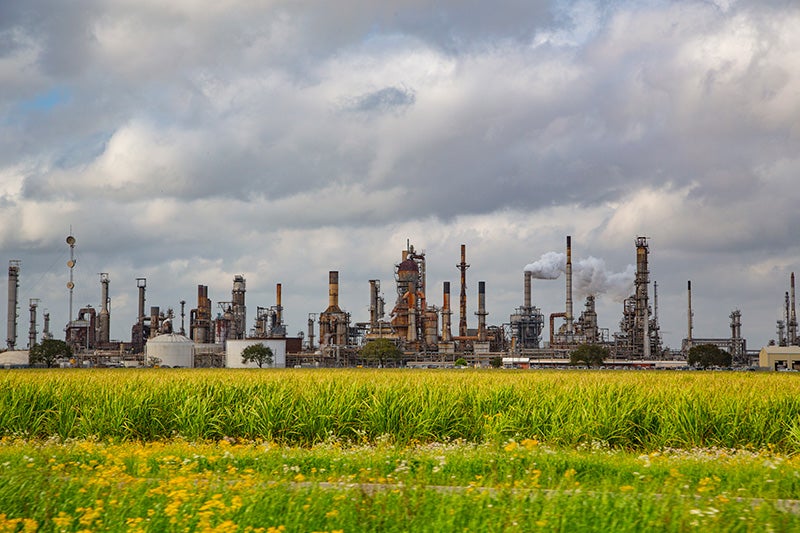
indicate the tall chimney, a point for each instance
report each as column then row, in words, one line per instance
column 481, row 311
column 447, row 334
column 105, row 316
column 569, row 284
column 278, row 306
column 333, row 290
column 527, row 301
column 463, row 266
column 13, row 286
column 141, row 283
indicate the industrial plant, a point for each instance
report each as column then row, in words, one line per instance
column 419, row 324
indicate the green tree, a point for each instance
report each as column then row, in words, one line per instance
column 496, row 362
column 381, row 351
column 48, row 352
column 589, row 355
column 706, row 355
column 461, row 362
column 258, row 354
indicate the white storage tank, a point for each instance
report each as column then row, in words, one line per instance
column 173, row 350
column 234, row 349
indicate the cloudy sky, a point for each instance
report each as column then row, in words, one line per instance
column 187, row 142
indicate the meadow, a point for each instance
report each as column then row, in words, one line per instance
column 367, row 450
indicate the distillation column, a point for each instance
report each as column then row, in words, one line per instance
column 374, row 305
column 463, row 266
column 689, row 316
column 569, row 315
column 34, row 303
column 13, row 287
column 642, row 309
column 792, row 327
column 239, row 309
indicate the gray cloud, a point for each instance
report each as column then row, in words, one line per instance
column 286, row 139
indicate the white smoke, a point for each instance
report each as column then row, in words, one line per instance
column 549, row 266
column 589, row 276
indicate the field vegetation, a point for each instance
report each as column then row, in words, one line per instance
column 367, row 450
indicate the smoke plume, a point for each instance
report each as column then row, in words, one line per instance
column 549, row 266
column 589, row 275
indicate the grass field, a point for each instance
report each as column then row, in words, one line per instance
column 363, row 450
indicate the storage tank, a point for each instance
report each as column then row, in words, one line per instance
column 173, row 349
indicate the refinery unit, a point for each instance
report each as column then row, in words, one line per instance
column 420, row 328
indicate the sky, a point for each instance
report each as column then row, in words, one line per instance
column 187, row 142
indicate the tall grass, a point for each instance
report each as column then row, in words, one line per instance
column 631, row 410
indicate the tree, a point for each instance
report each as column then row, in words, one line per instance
column 461, row 362
column 258, row 354
column 48, row 352
column 706, row 355
column 496, row 362
column 381, row 351
column 589, row 355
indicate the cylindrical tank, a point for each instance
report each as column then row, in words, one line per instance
column 431, row 327
column 172, row 349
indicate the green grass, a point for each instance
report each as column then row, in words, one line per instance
column 629, row 410
column 183, row 486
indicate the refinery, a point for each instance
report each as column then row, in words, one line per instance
column 419, row 322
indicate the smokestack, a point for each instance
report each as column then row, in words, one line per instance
column 481, row 311
column 13, row 286
column 689, row 315
column 527, row 301
column 278, row 306
column 447, row 334
column 463, row 266
column 34, row 302
column 105, row 316
column 141, row 283
column 333, row 290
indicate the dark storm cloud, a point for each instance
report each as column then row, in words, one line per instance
column 382, row 100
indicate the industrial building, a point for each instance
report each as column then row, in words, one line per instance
column 420, row 328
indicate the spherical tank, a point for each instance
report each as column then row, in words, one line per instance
column 172, row 349
column 407, row 270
